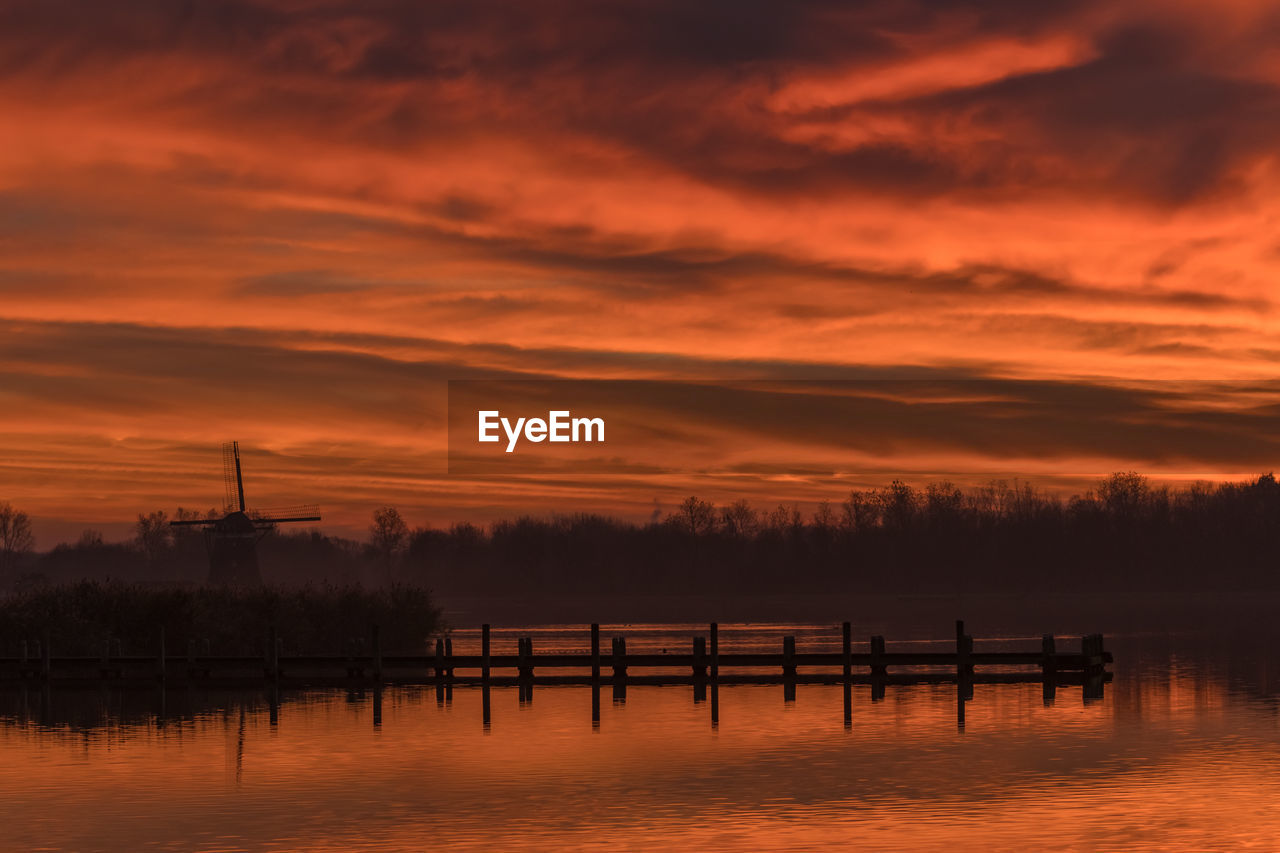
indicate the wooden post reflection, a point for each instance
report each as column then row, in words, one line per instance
column 1048, row 669
column 789, row 669
column 484, row 704
column 595, row 705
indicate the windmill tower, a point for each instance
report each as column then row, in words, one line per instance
column 232, row 540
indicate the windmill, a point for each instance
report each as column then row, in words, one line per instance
column 232, row 540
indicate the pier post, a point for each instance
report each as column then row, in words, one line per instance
column 846, row 650
column 1091, row 648
column 439, row 659
column 448, row 658
column 619, row 658
column 715, row 650
column 595, row 653
column 1094, row 662
column 964, row 669
column 525, row 654
column 104, row 665
column 1048, row 668
column 699, row 657
column 789, row 657
column 484, row 652
column 46, row 663
column 878, row 666
column 375, row 642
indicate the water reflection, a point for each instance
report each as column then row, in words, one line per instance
column 725, row 767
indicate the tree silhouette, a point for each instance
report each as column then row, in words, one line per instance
column 153, row 535
column 16, row 538
column 389, row 534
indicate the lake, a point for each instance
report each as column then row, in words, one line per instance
column 1182, row 752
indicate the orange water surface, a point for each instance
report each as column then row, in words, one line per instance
column 1181, row 753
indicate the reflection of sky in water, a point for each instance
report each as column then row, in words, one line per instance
column 1180, row 754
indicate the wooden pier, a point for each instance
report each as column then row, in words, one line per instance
column 703, row 662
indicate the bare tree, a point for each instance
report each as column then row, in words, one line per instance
column 1124, row 493
column 153, row 534
column 697, row 516
column 16, row 539
column 90, row 538
column 824, row 519
column 860, row 512
column 389, row 533
column 738, row 519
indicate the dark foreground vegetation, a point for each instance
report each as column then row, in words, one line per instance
column 1124, row 535
column 82, row 617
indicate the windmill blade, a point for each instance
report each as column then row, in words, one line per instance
column 276, row 515
column 193, row 522
column 230, row 454
column 235, row 449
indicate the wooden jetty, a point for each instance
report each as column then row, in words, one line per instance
column 704, row 662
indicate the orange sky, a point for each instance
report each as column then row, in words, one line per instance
column 290, row 223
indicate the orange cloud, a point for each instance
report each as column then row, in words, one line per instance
column 291, row 226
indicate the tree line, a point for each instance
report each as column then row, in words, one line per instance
column 1125, row 533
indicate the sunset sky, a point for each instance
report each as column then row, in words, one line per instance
column 290, row 223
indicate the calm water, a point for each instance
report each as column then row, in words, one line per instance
column 1181, row 753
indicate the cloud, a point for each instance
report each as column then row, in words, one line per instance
column 291, row 223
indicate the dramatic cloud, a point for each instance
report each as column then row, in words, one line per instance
column 290, row 223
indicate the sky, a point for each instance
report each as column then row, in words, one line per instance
column 291, row 223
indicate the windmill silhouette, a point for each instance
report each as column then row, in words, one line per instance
column 232, row 540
